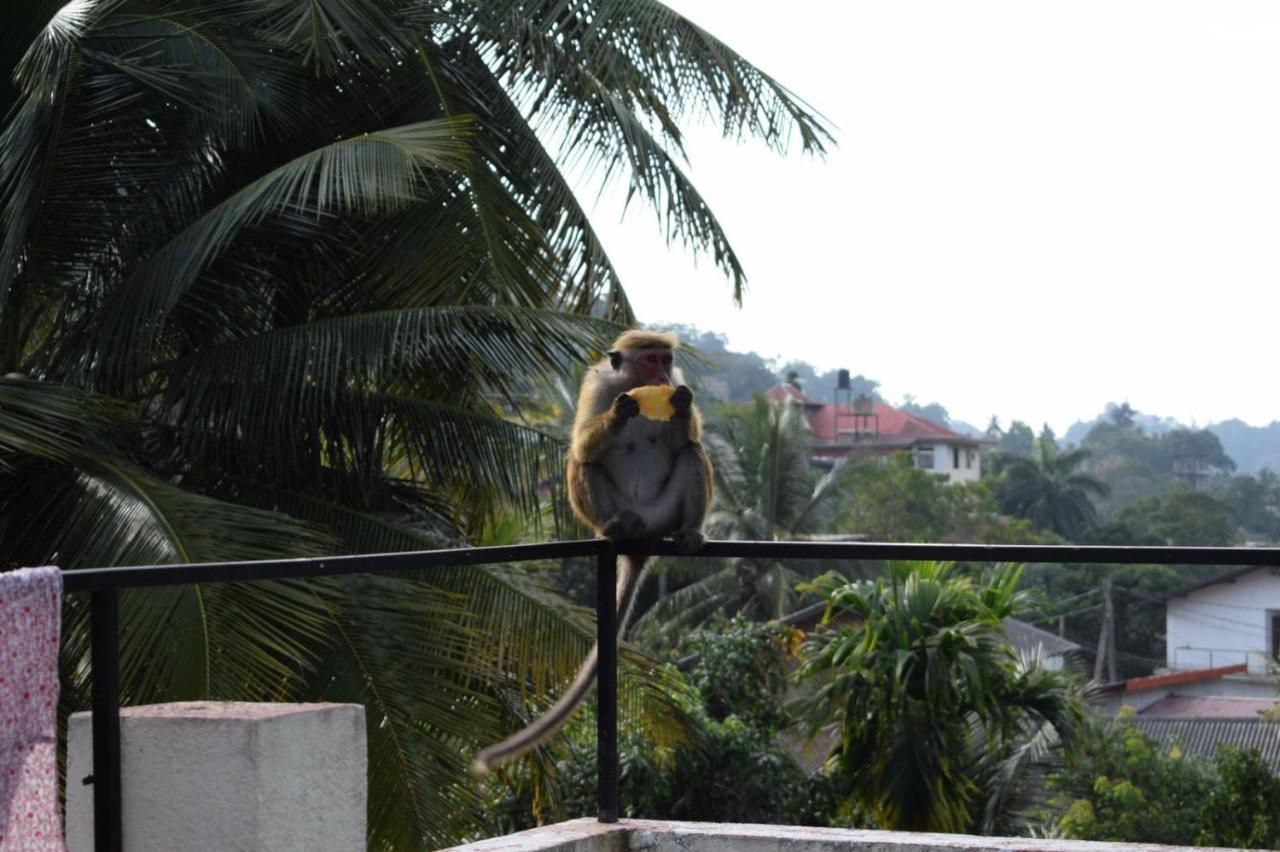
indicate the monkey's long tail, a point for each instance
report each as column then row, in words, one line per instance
column 631, row 570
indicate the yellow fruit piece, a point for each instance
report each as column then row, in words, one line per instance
column 655, row 401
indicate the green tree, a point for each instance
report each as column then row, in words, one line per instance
column 1019, row 440
column 1243, row 811
column 1253, row 506
column 934, row 412
column 1122, row 415
column 1186, row 519
column 1125, row 786
column 893, row 500
column 277, row 279
column 1048, row 490
column 732, row 768
column 935, row 712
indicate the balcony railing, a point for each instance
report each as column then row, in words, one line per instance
column 104, row 586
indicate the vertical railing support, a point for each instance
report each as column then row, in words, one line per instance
column 607, row 685
column 104, row 613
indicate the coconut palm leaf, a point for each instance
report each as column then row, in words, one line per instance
column 368, row 174
column 51, row 421
column 496, row 346
column 327, row 32
column 207, row 63
column 532, row 173
column 185, row 642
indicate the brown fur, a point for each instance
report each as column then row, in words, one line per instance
column 628, row 478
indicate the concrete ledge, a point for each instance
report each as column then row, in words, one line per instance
column 588, row 835
column 209, row 775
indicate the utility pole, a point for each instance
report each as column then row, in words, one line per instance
column 1106, row 638
column 1109, row 613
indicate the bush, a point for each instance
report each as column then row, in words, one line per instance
column 1125, row 786
column 740, row 671
column 733, row 767
column 1244, row 809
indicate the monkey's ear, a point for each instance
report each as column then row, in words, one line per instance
column 615, row 358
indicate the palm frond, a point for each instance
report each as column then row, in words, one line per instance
column 691, row 605
column 329, row 32
column 53, row 421
column 653, row 58
column 369, row 174
column 534, row 177
column 207, row 61
column 494, row 347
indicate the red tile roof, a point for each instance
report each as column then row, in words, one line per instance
column 1175, row 678
column 1203, row 707
column 895, row 427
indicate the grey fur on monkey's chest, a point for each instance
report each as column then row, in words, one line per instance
column 641, row 461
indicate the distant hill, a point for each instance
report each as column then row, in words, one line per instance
column 964, row 428
column 1150, row 423
column 1251, row 447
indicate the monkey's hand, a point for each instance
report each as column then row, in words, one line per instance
column 682, row 401
column 624, row 408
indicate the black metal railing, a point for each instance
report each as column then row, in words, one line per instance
column 105, row 584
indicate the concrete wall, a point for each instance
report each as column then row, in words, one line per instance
column 229, row 777
column 1220, row 625
column 586, row 835
column 944, row 461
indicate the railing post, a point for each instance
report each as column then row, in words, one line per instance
column 104, row 614
column 607, row 685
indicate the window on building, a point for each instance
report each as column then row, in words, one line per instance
column 924, row 458
column 1275, row 635
column 955, row 457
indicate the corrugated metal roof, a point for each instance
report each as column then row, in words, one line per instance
column 1203, row 736
column 1208, row 707
column 1026, row 637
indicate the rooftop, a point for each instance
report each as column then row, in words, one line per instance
column 588, row 835
column 1208, row 707
column 1203, row 737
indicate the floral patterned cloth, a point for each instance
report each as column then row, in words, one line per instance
column 30, row 620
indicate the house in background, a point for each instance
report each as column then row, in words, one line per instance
column 859, row 427
column 1231, row 619
column 1222, row 640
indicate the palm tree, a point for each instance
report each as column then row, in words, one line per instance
column 1048, row 490
column 937, row 715
column 277, row 278
column 765, row 491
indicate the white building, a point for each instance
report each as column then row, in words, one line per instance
column 866, row 428
column 1230, row 620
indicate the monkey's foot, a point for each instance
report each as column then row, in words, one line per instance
column 625, row 526
column 689, row 541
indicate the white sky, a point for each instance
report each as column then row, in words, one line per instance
column 1034, row 208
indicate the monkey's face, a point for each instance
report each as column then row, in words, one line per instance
column 653, row 366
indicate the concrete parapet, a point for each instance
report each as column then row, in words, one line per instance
column 226, row 776
column 632, row 835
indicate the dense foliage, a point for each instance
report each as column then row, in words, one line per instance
column 936, row 713
column 1124, row 786
column 732, row 768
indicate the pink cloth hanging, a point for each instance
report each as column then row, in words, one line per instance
column 30, row 621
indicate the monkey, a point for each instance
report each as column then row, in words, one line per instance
column 630, row 479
